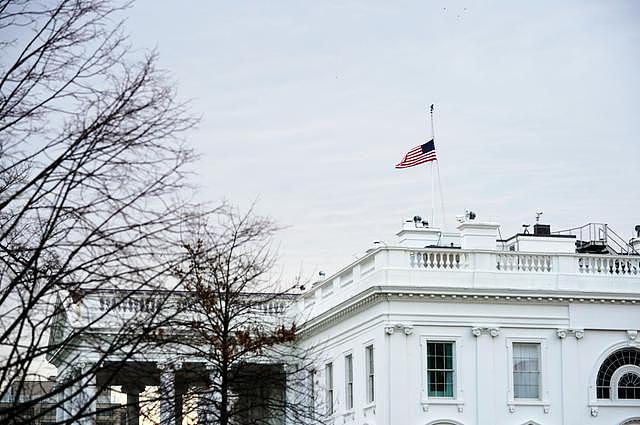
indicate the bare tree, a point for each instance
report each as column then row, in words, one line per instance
column 92, row 173
column 242, row 322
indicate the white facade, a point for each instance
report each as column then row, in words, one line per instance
column 449, row 323
column 437, row 329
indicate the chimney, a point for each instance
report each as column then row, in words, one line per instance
column 478, row 235
column 416, row 233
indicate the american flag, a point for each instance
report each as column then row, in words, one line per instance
column 419, row 155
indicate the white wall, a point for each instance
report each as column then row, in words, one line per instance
column 484, row 366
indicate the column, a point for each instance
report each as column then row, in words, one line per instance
column 571, row 405
column 83, row 394
column 167, row 392
column 398, row 391
column 485, row 371
column 133, row 402
column 296, row 400
column 62, row 383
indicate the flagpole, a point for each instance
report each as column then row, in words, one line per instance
column 437, row 170
column 433, row 186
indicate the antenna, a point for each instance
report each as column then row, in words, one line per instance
column 526, row 228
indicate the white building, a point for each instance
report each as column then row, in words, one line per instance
column 457, row 328
column 468, row 329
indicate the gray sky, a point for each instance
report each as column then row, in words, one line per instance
column 307, row 106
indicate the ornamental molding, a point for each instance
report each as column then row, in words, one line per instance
column 377, row 294
column 594, row 411
column 632, row 338
column 404, row 328
column 169, row 366
column 485, row 330
column 562, row 333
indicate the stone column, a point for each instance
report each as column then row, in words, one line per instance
column 62, row 411
column 485, row 372
column 133, row 402
column 167, row 392
column 83, row 394
column 210, row 398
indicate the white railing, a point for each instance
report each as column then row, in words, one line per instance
column 152, row 302
column 439, row 259
column 512, row 261
column 609, row 265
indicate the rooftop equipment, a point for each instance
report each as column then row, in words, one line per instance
column 599, row 238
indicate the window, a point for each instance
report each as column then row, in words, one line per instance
column 619, row 376
column 370, row 373
column 328, row 380
column 629, row 387
column 312, row 389
column 440, row 370
column 526, row 370
column 348, row 380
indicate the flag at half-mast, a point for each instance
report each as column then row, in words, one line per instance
column 419, row 155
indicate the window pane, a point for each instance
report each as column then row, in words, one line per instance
column 329, row 387
column 526, row 370
column 440, row 370
column 370, row 373
column 629, row 387
column 348, row 372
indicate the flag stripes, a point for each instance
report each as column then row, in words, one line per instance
column 419, row 155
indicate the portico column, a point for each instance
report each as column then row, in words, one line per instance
column 168, row 392
column 62, row 411
column 210, row 398
column 133, row 402
column 84, row 398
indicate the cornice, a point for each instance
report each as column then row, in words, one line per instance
column 377, row 294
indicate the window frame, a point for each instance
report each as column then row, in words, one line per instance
column 329, row 390
column 594, row 401
column 615, row 382
column 538, row 372
column 452, row 370
column 543, row 396
column 370, row 373
column 458, row 348
column 348, row 381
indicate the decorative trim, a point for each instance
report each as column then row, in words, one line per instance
column 491, row 331
column 170, row 366
column 632, row 337
column 377, row 294
column 563, row 333
column 594, row 411
column 391, row 328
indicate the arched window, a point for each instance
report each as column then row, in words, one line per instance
column 619, row 376
column 629, row 386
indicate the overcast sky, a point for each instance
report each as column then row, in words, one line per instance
column 307, row 105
